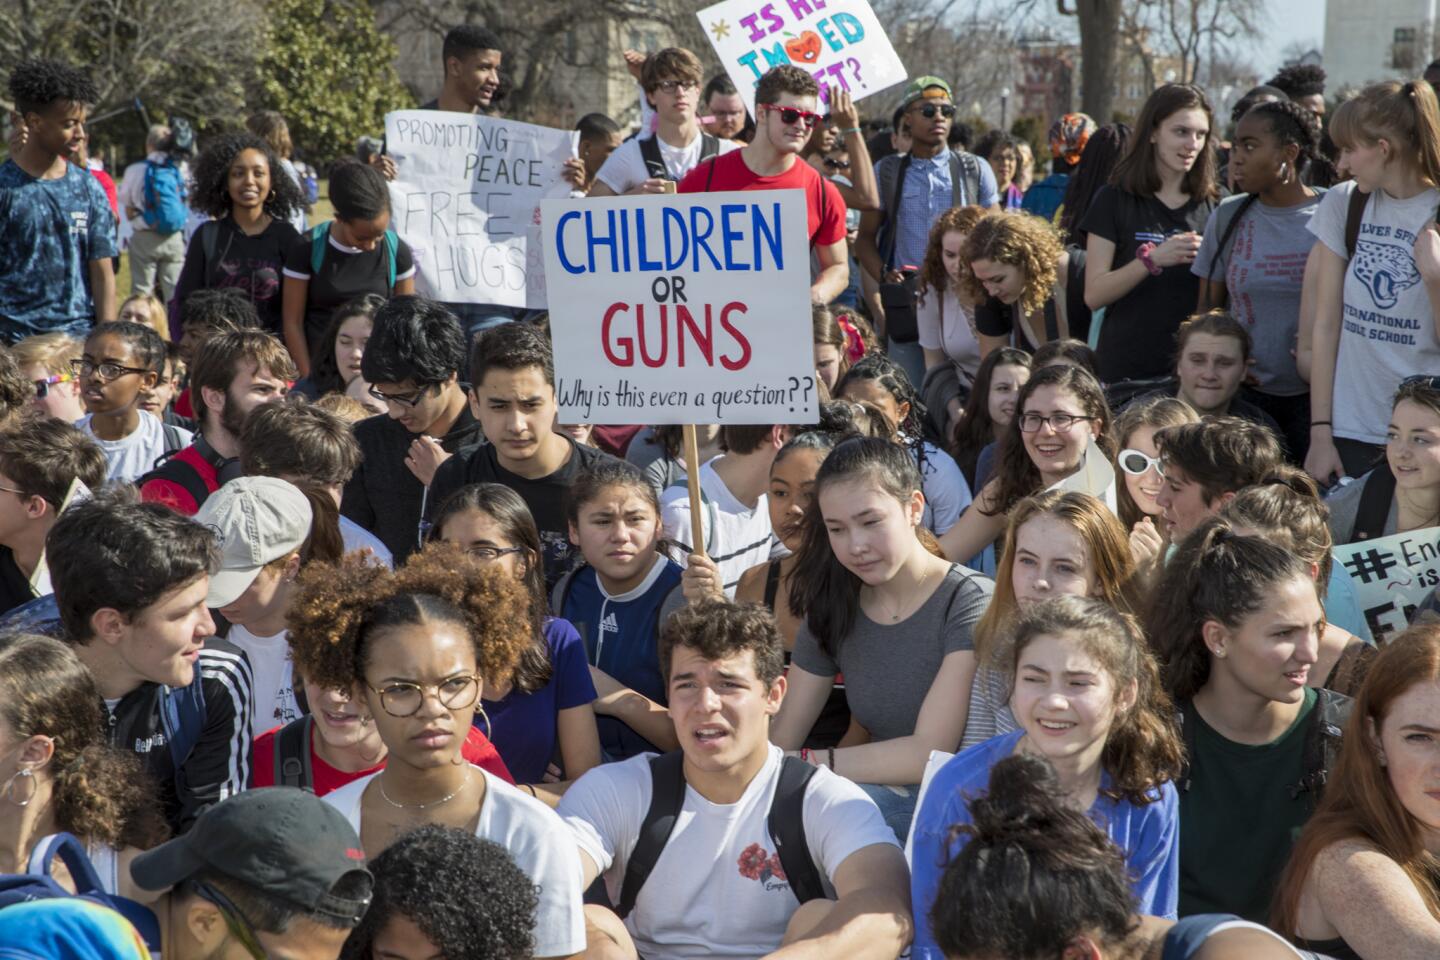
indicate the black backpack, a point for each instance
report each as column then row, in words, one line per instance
column 785, row 821
column 1324, row 735
column 292, row 755
column 655, row 163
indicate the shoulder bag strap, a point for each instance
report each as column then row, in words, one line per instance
column 892, row 234
column 1376, row 496
column 1354, row 213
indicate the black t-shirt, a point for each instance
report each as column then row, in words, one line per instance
column 345, row 273
column 544, row 496
column 1137, row 337
column 14, row 585
column 996, row 319
column 251, row 265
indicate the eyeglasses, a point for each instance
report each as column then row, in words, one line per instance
column 832, row 164
column 107, row 371
column 487, row 553
column 42, row 387
column 946, row 110
column 401, row 699
column 15, row 490
column 1136, row 463
column 1059, row 422
column 235, row 920
column 405, row 400
column 789, row 115
column 671, row 86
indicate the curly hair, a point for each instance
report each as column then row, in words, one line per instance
column 210, row 189
column 100, row 793
column 720, row 628
column 337, row 607
column 933, row 275
column 36, row 84
column 1299, row 80
column 465, row 894
column 16, row 390
column 1020, row 240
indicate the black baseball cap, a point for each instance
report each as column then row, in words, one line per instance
column 281, row 841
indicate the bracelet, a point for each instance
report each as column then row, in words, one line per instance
column 527, row 786
column 1143, row 255
column 849, row 130
column 1321, row 423
column 805, row 756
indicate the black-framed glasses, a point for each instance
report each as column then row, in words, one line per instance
column 670, row 86
column 928, row 111
column 1136, row 462
column 403, row 399
column 236, row 922
column 1059, row 422
column 401, row 699
column 42, row 387
column 487, row 552
column 832, row 164
column 789, row 115
column 107, row 371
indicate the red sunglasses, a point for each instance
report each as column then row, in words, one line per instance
column 790, row 115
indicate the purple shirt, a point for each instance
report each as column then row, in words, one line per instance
column 523, row 725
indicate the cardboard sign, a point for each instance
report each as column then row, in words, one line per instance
column 1095, row 477
column 681, row 309
column 466, row 198
column 1392, row 576
column 840, row 42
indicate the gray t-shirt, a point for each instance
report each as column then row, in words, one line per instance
column 1263, row 266
column 1388, row 326
column 1344, row 504
column 889, row 668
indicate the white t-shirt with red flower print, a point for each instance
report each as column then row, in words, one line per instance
column 717, row 889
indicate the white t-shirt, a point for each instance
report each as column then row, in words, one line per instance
column 1387, row 330
column 946, row 492
column 273, row 703
column 625, row 168
column 716, row 889
column 946, row 325
column 130, row 458
column 742, row 537
column 537, row 841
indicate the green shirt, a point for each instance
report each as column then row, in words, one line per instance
column 1238, row 820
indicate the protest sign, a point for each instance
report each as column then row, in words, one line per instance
column 840, row 42
column 466, row 198
column 1392, row 576
column 1095, row 477
column 686, row 309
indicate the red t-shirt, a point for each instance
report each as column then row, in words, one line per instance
column 477, row 749
column 826, row 217
column 172, row 494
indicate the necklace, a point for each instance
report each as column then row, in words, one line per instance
column 919, row 586
column 423, row 806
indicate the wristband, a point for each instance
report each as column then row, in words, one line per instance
column 849, row 130
column 1143, row 255
column 805, row 755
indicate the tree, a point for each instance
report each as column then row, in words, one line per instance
column 330, row 71
column 1099, row 43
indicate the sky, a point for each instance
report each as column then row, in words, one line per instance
column 1309, row 13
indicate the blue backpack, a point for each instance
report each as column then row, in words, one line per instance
column 39, row 884
column 318, row 242
column 164, row 197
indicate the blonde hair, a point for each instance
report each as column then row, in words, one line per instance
column 156, row 317
column 53, row 351
column 1019, row 240
column 1405, row 115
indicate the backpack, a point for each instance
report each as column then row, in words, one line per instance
column 292, row 755
column 1375, row 498
column 321, row 234
column 785, row 822
column 1324, row 734
column 164, row 197
column 890, row 176
column 655, row 163
column 19, row 888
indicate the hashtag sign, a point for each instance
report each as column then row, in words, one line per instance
column 1371, row 565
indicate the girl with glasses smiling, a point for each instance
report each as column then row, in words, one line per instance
column 419, row 646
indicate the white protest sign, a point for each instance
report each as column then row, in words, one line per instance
column 1095, row 477
column 1392, row 576
column 466, row 198
column 689, row 308
column 840, row 42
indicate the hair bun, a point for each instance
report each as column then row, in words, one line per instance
column 1023, row 798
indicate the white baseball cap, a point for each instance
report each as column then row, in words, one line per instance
column 257, row 520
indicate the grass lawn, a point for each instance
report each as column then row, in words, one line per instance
column 322, row 212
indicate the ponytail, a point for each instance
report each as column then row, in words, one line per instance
column 1406, row 115
column 1427, row 128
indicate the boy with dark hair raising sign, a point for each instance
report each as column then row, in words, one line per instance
column 786, row 101
column 728, row 847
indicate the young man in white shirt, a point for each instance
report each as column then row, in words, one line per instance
column 655, row 163
column 718, row 887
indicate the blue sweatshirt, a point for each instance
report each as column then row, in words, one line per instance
column 1149, row 835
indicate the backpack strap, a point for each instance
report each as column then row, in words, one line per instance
column 892, row 235
column 1376, row 494
column 654, row 162
column 710, row 174
column 969, row 176
column 182, row 717
column 181, row 474
column 1324, row 734
column 292, row 755
column 392, row 249
column 210, row 243
column 174, row 442
column 318, row 238
column 1229, row 231
column 667, row 795
column 70, row 851
column 1354, row 213
column 709, row 146
column 786, row 822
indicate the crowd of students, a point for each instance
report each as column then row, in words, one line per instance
column 323, row 638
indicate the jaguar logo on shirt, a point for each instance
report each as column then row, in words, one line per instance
column 1387, row 270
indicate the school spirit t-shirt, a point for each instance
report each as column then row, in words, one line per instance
column 717, row 889
column 345, row 273
column 1262, row 266
column 826, row 222
column 50, row 230
column 221, row 256
column 1137, row 339
column 625, row 168
column 1387, row 328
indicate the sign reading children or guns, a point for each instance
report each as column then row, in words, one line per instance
column 466, row 197
column 681, row 309
column 839, row 42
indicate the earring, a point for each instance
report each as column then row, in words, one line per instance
column 29, row 775
column 480, row 709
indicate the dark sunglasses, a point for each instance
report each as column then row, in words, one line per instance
column 946, row 110
column 833, row 164
column 790, row 115
column 42, row 387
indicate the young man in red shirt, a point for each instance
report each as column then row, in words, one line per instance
column 786, row 100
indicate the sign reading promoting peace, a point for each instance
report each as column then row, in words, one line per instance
column 840, row 42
